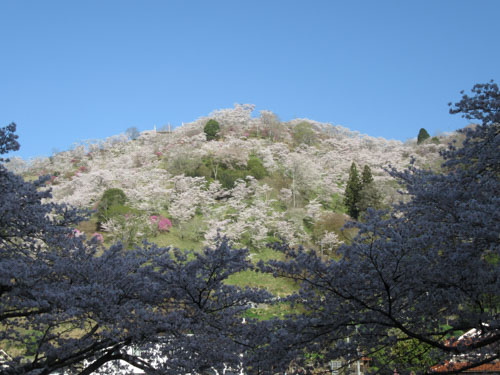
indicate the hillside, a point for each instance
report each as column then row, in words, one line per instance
column 260, row 180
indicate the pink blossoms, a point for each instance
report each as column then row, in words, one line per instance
column 163, row 223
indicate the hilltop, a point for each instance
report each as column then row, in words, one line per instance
column 260, row 180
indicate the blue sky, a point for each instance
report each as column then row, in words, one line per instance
column 72, row 70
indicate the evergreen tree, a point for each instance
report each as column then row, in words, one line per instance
column 211, row 129
column 369, row 196
column 366, row 177
column 422, row 136
column 352, row 189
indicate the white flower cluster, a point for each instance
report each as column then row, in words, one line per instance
column 302, row 176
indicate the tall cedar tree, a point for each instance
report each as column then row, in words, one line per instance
column 69, row 305
column 366, row 177
column 414, row 280
column 352, row 189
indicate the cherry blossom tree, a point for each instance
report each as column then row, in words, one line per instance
column 419, row 285
column 70, row 305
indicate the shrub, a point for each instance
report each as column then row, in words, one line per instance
column 183, row 163
column 199, row 168
column 211, row 129
column 162, row 223
column 256, row 168
column 228, row 173
column 227, row 177
column 304, row 133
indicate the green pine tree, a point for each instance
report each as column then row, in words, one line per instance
column 366, row 177
column 352, row 190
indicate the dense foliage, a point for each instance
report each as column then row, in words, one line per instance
column 419, row 287
column 303, row 133
column 211, row 129
column 228, row 172
column 112, row 200
column 197, row 184
column 80, row 305
column 8, row 140
column 67, row 304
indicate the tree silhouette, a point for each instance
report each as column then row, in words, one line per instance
column 417, row 279
column 67, row 304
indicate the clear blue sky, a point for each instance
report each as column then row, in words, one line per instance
column 75, row 70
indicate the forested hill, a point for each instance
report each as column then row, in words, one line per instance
column 252, row 179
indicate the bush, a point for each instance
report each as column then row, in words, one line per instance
column 227, row 174
column 227, row 177
column 211, row 129
column 201, row 168
column 160, row 223
column 256, row 168
column 304, row 133
column 183, row 163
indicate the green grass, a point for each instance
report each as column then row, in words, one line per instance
column 278, row 310
column 173, row 239
column 266, row 254
column 278, row 287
